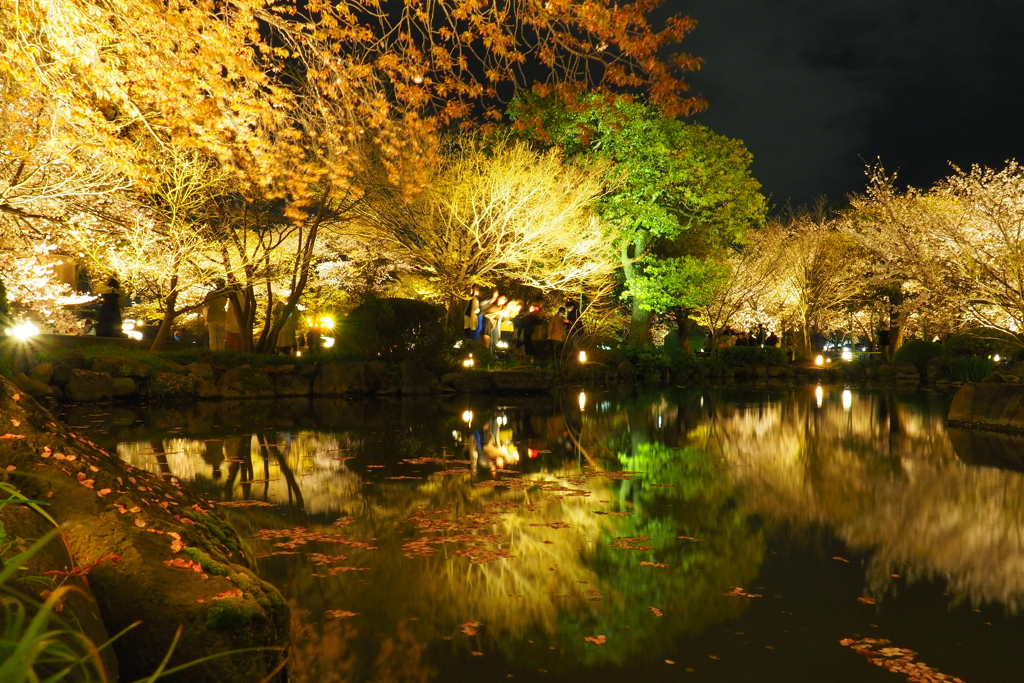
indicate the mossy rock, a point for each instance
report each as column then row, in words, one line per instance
column 158, row 529
column 170, row 386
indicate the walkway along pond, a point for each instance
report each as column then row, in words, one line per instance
column 707, row 535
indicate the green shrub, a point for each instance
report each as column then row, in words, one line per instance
column 918, row 352
column 454, row 353
column 960, row 345
column 649, row 361
column 735, row 356
column 970, row 369
column 394, row 330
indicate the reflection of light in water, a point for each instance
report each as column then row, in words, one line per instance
column 659, row 422
column 847, row 399
column 583, row 400
column 701, row 401
column 819, row 395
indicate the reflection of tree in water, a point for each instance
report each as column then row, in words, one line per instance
column 885, row 476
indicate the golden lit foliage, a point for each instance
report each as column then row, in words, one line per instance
column 489, row 212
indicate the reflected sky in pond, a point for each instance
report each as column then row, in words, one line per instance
column 723, row 535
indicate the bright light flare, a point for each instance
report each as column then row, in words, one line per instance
column 468, row 362
column 327, row 322
column 819, row 360
column 328, row 342
column 467, row 416
column 583, row 400
column 502, row 344
column 23, row 331
column 996, row 358
column 847, row 354
column 819, row 395
column 847, row 399
column 583, row 356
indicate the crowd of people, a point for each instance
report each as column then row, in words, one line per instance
column 502, row 323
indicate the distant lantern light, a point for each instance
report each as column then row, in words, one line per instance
column 328, row 342
column 468, row 362
column 847, row 354
column 467, row 416
column 819, row 359
column 996, row 358
column 583, row 356
column 502, row 344
column 327, row 322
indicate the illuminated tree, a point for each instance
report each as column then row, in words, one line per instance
column 679, row 194
column 294, row 102
column 497, row 211
column 825, row 273
column 158, row 244
column 743, row 289
column 910, row 274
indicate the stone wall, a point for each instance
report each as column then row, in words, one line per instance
column 76, row 379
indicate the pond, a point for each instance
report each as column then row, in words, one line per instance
column 697, row 535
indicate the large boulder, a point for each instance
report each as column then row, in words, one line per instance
column 86, row 386
column 417, row 380
column 993, row 405
column 50, row 567
column 121, row 367
column 42, row 372
column 523, row 381
column 122, row 386
column 32, row 386
column 337, row 379
column 170, row 386
column 293, row 384
column 246, row 382
column 62, row 367
column 200, row 371
column 472, row 381
column 178, row 562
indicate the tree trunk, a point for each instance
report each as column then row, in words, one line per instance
column 453, row 317
column 683, row 322
column 640, row 326
column 170, row 313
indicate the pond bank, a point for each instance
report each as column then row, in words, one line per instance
column 170, row 559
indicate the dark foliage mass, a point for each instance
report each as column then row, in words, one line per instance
column 394, row 330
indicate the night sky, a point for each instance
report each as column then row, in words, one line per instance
column 818, row 87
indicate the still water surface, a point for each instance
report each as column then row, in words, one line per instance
column 716, row 535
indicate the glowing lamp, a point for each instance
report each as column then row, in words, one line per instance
column 583, row 356
column 847, row 354
column 298, row 353
column 819, row 359
column 468, row 362
column 327, row 322
column 467, row 416
column 996, row 358
column 328, row 342
column 502, row 344
column 23, row 331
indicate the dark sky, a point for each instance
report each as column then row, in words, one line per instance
column 817, row 87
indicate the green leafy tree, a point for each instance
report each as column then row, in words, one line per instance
column 679, row 194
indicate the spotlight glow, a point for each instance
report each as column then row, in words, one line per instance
column 819, row 360
column 23, row 331
column 583, row 356
column 847, row 354
column 328, row 342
